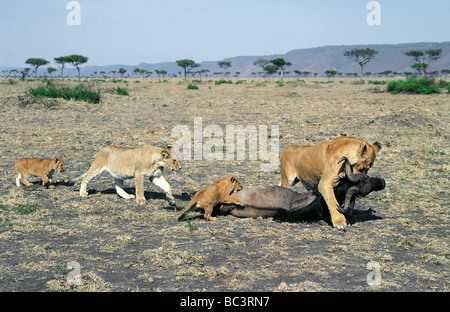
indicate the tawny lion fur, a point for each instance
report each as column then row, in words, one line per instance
column 43, row 168
column 218, row 192
column 318, row 168
column 127, row 162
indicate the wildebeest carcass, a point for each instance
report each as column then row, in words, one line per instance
column 287, row 205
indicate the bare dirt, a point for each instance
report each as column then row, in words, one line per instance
column 121, row 246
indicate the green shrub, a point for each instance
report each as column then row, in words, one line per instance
column 78, row 93
column 221, row 81
column 413, row 85
column 377, row 82
column 444, row 84
column 192, row 87
column 121, row 91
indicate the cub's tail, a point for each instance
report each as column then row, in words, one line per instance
column 188, row 207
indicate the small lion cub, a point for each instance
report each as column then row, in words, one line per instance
column 218, row 192
column 43, row 168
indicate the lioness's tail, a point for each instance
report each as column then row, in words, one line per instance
column 72, row 181
column 188, row 207
column 14, row 171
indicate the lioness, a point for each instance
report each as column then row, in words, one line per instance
column 127, row 162
column 43, row 168
column 319, row 169
column 218, row 192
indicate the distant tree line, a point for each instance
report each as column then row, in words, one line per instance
column 361, row 56
column 74, row 59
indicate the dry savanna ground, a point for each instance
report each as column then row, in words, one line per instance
column 121, row 246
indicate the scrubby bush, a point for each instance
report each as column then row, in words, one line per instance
column 444, row 84
column 377, row 82
column 192, row 87
column 78, row 93
column 413, row 85
column 222, row 81
column 121, row 91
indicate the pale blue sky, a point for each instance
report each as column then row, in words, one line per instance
column 130, row 32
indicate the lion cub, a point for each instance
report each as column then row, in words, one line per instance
column 43, row 168
column 218, row 192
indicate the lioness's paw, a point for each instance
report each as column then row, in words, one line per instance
column 171, row 200
column 340, row 224
column 83, row 194
column 140, row 201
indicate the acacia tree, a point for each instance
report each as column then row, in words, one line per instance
column 330, row 73
column 76, row 61
column 14, row 72
column 224, row 65
column 361, row 56
column 136, row 71
column 25, row 72
column 50, row 70
column 122, row 71
column 261, row 63
column 271, row 69
column 281, row 64
column 36, row 62
column 160, row 73
column 420, row 57
column 62, row 60
column 445, row 72
column 187, row 65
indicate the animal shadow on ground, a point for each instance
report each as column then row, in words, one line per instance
column 149, row 195
column 362, row 215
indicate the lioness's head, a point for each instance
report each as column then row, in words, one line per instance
column 366, row 156
column 59, row 164
column 170, row 160
column 235, row 183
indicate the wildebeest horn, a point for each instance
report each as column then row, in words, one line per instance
column 348, row 203
column 349, row 170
